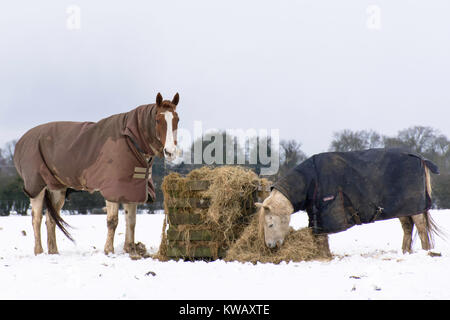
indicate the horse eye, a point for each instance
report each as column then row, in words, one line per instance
column 271, row 225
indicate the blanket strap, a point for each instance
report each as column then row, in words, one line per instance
column 355, row 215
column 155, row 151
column 377, row 213
column 314, row 223
column 136, row 145
column 140, row 172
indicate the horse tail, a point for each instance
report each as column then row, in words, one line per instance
column 432, row 229
column 428, row 181
column 55, row 215
column 431, row 226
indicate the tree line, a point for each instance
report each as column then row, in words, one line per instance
column 424, row 140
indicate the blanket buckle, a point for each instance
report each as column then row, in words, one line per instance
column 377, row 213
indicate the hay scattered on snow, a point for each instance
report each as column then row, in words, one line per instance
column 299, row 245
column 141, row 252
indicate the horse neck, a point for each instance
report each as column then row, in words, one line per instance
column 153, row 142
column 142, row 129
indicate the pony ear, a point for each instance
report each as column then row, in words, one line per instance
column 176, row 99
column 159, row 99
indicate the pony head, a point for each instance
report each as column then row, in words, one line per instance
column 274, row 217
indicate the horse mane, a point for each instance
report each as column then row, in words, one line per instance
column 261, row 222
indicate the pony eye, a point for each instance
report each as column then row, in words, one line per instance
column 271, row 225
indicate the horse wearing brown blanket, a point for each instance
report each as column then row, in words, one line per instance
column 113, row 156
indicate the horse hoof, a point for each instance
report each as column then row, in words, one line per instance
column 109, row 250
column 130, row 248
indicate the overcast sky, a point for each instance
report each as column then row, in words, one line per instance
column 308, row 68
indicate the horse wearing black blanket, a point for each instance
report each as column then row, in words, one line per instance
column 341, row 189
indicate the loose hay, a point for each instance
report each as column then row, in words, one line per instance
column 141, row 252
column 231, row 197
column 299, row 245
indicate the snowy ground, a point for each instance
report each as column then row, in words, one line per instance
column 368, row 264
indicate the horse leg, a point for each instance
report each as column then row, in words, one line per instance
column 420, row 220
column 57, row 198
column 130, row 216
column 112, row 219
column 37, row 204
column 407, row 225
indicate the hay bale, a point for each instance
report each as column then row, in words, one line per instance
column 207, row 210
column 299, row 245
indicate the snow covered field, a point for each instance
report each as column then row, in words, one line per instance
column 368, row 264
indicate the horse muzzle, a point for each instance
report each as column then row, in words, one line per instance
column 274, row 244
column 172, row 154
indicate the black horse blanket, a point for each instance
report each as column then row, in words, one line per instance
column 341, row 189
column 106, row 156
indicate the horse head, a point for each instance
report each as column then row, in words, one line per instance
column 274, row 217
column 166, row 125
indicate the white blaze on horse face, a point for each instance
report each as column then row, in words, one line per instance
column 170, row 149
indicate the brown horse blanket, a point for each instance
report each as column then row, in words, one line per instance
column 341, row 189
column 106, row 156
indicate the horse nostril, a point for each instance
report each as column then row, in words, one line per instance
column 271, row 245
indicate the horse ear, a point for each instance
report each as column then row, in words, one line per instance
column 159, row 99
column 176, row 99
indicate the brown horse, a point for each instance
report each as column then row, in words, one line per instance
column 113, row 156
column 410, row 205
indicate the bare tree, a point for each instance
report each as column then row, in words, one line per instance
column 9, row 151
column 290, row 155
column 424, row 140
column 348, row 140
column 7, row 159
column 418, row 139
